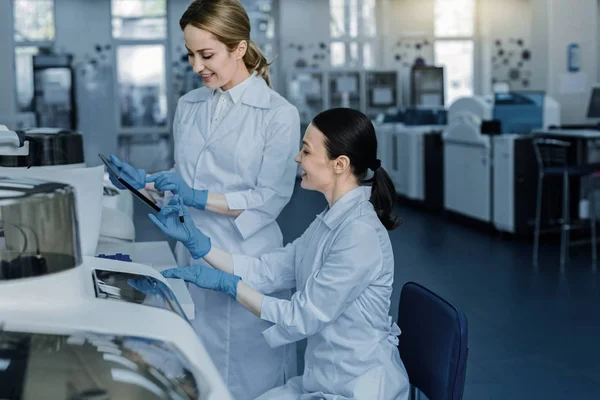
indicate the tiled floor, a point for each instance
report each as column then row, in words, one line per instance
column 533, row 333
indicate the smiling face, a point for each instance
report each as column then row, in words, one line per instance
column 317, row 169
column 211, row 59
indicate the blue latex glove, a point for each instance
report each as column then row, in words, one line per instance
column 185, row 232
column 207, row 278
column 174, row 182
column 135, row 177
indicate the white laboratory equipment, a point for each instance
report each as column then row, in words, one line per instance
column 306, row 91
column 382, row 91
column 73, row 326
column 51, row 151
column 477, row 184
column 402, row 140
column 467, row 159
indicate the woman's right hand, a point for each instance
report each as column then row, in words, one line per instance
column 169, row 220
column 135, row 177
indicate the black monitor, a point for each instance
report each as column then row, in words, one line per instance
column 594, row 104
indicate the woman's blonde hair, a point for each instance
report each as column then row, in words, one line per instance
column 229, row 22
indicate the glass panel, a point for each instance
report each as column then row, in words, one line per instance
column 353, row 18
column 139, row 8
column 368, row 61
column 24, row 74
column 369, row 22
column 337, row 12
column 353, row 59
column 454, row 18
column 34, row 20
column 139, row 289
column 456, row 56
column 143, row 96
column 86, row 365
column 139, row 19
column 338, row 54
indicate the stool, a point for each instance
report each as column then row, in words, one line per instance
column 551, row 156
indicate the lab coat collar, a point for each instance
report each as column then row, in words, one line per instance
column 256, row 93
column 237, row 91
column 335, row 215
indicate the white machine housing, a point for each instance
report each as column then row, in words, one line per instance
column 468, row 160
column 66, row 303
column 117, row 205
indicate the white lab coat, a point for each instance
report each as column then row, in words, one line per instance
column 343, row 269
column 248, row 156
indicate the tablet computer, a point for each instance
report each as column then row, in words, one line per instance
column 123, row 182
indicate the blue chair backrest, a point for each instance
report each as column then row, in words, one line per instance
column 433, row 343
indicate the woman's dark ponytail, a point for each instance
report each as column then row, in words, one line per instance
column 349, row 132
column 383, row 196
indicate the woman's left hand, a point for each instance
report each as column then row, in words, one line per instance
column 205, row 277
column 169, row 220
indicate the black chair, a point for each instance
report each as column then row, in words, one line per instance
column 433, row 343
column 551, row 156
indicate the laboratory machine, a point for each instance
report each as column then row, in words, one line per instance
column 383, row 92
column 54, row 91
column 427, row 86
column 78, row 327
column 345, row 88
column 483, row 171
column 58, row 153
column 407, row 143
column 306, row 90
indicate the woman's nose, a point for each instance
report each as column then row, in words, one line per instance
column 197, row 65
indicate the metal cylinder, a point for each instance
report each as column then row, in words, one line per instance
column 39, row 228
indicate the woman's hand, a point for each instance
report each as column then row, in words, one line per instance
column 175, row 222
column 206, row 277
column 135, row 177
column 173, row 182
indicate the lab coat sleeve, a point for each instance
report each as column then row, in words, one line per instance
column 276, row 178
column 175, row 129
column 271, row 272
column 346, row 272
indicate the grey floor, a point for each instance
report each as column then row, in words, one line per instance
column 533, row 333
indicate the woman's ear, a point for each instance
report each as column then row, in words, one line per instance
column 241, row 49
column 341, row 164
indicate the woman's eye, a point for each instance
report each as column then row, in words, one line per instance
column 190, row 55
column 207, row 57
column 304, row 151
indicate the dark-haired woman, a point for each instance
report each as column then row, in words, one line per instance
column 342, row 267
column 234, row 140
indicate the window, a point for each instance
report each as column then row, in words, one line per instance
column 34, row 20
column 139, row 19
column 454, row 26
column 352, row 29
column 142, row 85
column 33, row 30
column 139, row 31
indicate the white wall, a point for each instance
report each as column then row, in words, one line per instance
column 505, row 33
column 568, row 22
column 302, row 27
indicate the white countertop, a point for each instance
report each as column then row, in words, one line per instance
column 578, row 133
column 159, row 256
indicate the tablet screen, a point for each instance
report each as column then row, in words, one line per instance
column 123, row 182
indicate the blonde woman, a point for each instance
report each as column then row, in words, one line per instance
column 235, row 141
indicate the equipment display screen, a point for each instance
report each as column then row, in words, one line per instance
column 133, row 288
